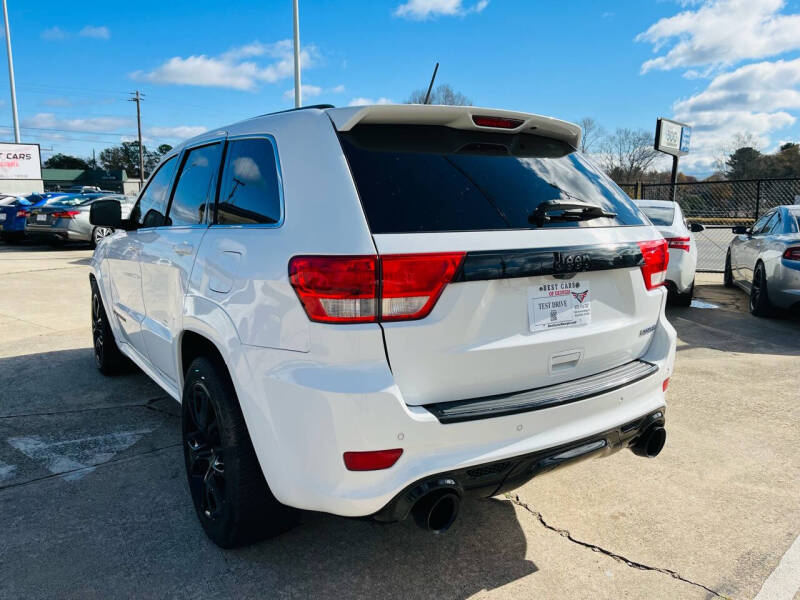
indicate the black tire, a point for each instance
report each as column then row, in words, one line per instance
column 681, row 299
column 760, row 305
column 230, row 495
column 727, row 277
column 107, row 357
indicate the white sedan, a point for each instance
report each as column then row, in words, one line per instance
column 670, row 222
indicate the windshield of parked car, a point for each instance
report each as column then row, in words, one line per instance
column 8, row 201
column 430, row 178
column 660, row 216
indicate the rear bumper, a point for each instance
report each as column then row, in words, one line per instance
column 303, row 415
column 681, row 270
column 491, row 479
column 72, row 232
column 784, row 286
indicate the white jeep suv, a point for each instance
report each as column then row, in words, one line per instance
column 372, row 311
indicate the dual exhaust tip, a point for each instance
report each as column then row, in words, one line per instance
column 651, row 442
column 436, row 511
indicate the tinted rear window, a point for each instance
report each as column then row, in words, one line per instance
column 659, row 215
column 427, row 178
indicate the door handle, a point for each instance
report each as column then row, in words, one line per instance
column 183, row 249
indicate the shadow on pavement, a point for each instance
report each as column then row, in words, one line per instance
column 125, row 525
column 731, row 327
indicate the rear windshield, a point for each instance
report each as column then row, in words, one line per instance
column 430, row 178
column 659, row 215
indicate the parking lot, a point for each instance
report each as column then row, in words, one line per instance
column 94, row 502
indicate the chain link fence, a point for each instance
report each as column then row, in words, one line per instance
column 719, row 205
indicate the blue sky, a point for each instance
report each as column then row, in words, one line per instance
column 726, row 66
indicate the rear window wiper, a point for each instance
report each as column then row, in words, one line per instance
column 572, row 210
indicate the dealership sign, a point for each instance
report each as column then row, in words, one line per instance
column 672, row 137
column 20, row 161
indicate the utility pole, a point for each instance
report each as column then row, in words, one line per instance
column 137, row 97
column 298, row 97
column 11, row 75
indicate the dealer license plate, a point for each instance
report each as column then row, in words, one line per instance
column 559, row 303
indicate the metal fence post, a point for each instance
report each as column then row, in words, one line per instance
column 758, row 200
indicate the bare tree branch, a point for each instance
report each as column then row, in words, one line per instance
column 441, row 94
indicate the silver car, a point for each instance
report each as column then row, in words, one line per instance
column 66, row 219
column 765, row 260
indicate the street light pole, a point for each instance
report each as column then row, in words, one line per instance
column 298, row 97
column 11, row 75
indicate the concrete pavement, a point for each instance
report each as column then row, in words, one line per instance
column 94, row 504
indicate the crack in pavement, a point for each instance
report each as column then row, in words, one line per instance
column 93, row 467
column 595, row 548
column 148, row 405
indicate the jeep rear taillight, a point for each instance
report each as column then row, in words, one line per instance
column 336, row 289
column 358, row 289
column 656, row 259
column 412, row 283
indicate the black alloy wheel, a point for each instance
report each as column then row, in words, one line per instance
column 205, row 463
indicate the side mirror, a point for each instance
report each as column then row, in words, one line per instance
column 106, row 213
column 696, row 228
column 741, row 230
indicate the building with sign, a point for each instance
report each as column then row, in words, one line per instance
column 20, row 169
column 114, row 181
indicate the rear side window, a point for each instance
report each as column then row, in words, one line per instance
column 430, row 178
column 197, row 183
column 660, row 216
column 251, row 190
column 794, row 222
column 152, row 204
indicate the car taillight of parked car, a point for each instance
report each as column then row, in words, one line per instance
column 361, row 289
column 792, row 253
column 22, row 213
column 679, row 243
column 66, row 214
column 656, row 259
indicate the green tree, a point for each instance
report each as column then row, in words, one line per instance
column 163, row 149
column 744, row 163
column 126, row 157
column 65, row 161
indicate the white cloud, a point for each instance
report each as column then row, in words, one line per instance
column 308, row 91
column 360, row 101
column 312, row 91
column 232, row 69
column 179, row 132
column 419, row 10
column 754, row 99
column 57, row 101
column 53, row 34
column 91, row 124
column 721, row 33
column 100, row 33
column 56, row 33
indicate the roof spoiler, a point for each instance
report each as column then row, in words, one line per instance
column 457, row 117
